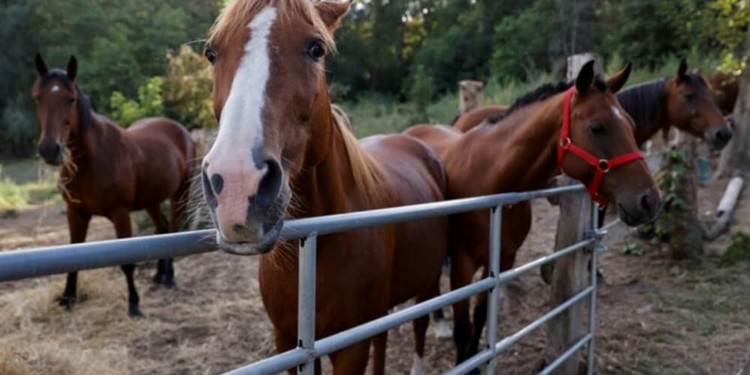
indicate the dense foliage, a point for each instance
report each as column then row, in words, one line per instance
column 411, row 50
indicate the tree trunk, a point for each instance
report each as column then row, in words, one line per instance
column 736, row 155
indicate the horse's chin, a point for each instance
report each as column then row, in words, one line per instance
column 266, row 243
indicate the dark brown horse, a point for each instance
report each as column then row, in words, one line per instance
column 684, row 101
column 281, row 141
column 108, row 171
column 518, row 151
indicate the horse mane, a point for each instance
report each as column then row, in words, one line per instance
column 365, row 169
column 238, row 13
column 643, row 102
column 539, row 94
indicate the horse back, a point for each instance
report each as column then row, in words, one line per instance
column 437, row 137
column 162, row 155
column 416, row 175
column 476, row 116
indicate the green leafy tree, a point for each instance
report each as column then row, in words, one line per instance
column 126, row 111
column 187, row 89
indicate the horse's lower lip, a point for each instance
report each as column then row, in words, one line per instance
column 263, row 246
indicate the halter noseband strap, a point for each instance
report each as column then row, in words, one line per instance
column 603, row 166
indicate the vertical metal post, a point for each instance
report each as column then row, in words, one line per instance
column 306, row 300
column 592, row 301
column 496, row 214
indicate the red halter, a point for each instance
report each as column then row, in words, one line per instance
column 602, row 165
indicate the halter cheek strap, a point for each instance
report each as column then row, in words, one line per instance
column 603, row 166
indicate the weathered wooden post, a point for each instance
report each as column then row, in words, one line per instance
column 469, row 95
column 681, row 209
column 569, row 276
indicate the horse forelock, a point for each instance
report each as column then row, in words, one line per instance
column 235, row 17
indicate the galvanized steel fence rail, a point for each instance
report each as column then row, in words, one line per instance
column 18, row 265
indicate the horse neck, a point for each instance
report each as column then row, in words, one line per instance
column 646, row 104
column 327, row 187
column 528, row 140
column 84, row 145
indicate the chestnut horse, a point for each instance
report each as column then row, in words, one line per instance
column 519, row 151
column 281, row 141
column 108, row 171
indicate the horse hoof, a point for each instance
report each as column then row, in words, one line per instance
column 66, row 302
column 134, row 312
column 169, row 283
column 159, row 278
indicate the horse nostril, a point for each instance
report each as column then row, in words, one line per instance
column 270, row 185
column 208, row 191
column 724, row 135
column 646, row 203
column 217, row 183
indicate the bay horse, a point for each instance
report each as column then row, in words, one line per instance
column 107, row 171
column 519, row 151
column 284, row 152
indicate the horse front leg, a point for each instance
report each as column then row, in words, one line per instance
column 78, row 225
column 124, row 229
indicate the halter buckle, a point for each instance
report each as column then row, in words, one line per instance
column 565, row 142
column 603, row 165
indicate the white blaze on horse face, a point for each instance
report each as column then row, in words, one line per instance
column 55, row 88
column 241, row 129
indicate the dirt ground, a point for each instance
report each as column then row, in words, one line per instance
column 655, row 316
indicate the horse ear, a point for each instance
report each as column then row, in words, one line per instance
column 682, row 70
column 698, row 71
column 72, row 68
column 617, row 81
column 585, row 77
column 332, row 13
column 41, row 66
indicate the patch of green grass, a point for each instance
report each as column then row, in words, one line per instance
column 739, row 249
column 14, row 195
column 11, row 195
column 633, row 249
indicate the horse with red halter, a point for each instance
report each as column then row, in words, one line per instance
column 580, row 130
column 685, row 101
column 108, row 171
column 283, row 152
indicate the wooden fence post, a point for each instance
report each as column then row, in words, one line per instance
column 469, row 95
column 569, row 276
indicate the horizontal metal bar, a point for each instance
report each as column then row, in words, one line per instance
column 21, row 264
column 518, row 271
column 568, row 353
column 346, row 338
column 274, row 365
column 365, row 219
column 15, row 265
column 485, row 355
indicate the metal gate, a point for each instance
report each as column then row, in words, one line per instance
column 17, row 265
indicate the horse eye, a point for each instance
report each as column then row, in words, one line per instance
column 71, row 100
column 690, row 98
column 316, row 50
column 210, row 54
column 597, row 129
